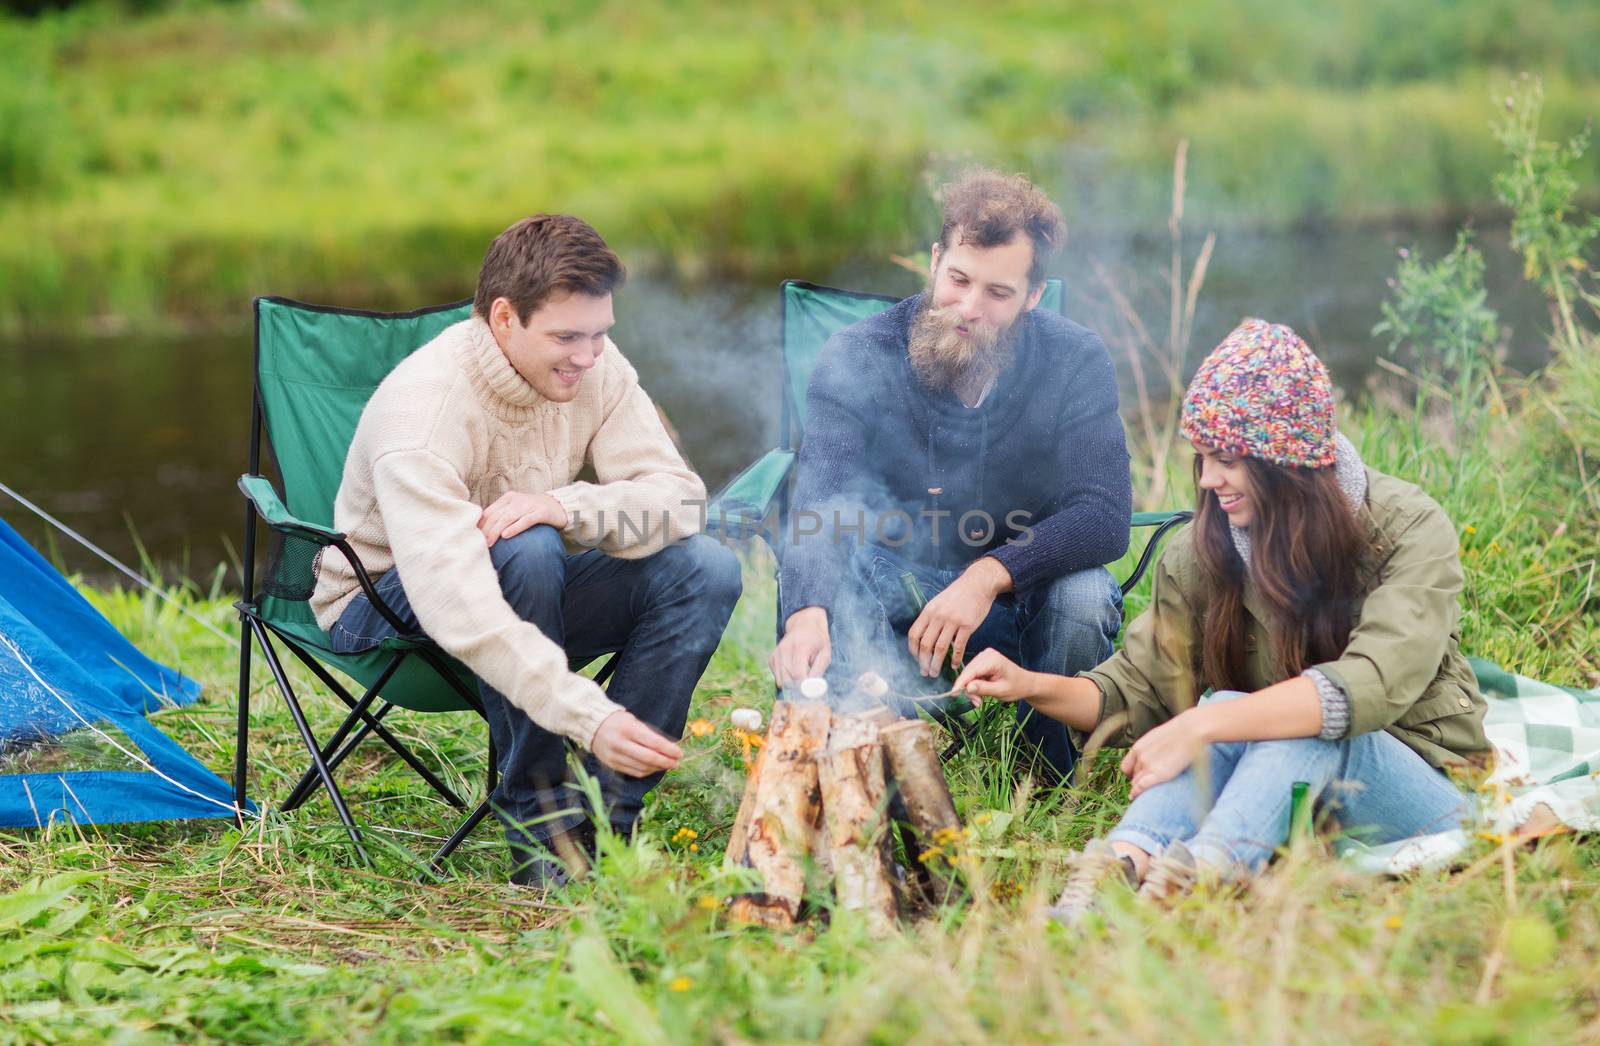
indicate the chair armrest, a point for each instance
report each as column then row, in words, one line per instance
column 1155, row 519
column 258, row 491
column 748, row 498
column 1163, row 522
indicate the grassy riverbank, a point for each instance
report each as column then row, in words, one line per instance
column 164, row 167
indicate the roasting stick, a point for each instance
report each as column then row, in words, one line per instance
column 934, row 697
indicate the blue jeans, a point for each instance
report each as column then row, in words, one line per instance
column 665, row 614
column 1063, row 627
column 1232, row 806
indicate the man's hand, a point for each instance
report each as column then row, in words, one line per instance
column 804, row 650
column 630, row 747
column 1164, row 752
column 992, row 674
column 950, row 618
column 513, row 512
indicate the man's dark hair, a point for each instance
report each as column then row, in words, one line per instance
column 541, row 256
column 989, row 209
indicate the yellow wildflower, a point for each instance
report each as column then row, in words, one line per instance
column 1393, row 922
column 680, row 984
column 700, row 727
column 708, row 902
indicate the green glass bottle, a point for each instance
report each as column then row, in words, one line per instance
column 1299, row 813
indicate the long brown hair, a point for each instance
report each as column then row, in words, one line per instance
column 1305, row 547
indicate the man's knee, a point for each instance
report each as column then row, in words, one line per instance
column 1087, row 601
column 1091, row 596
column 1071, row 623
column 537, row 554
column 707, row 567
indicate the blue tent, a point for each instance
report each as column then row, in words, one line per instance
column 63, row 667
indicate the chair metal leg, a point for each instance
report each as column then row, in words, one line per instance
column 241, row 735
column 309, row 738
column 961, row 732
column 492, row 777
column 436, row 863
column 473, row 701
column 332, row 754
column 399, row 747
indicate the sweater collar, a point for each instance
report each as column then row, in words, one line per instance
column 497, row 382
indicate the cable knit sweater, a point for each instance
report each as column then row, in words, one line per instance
column 451, row 429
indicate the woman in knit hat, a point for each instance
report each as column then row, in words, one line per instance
column 1304, row 627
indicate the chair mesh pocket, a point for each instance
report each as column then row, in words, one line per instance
column 292, row 572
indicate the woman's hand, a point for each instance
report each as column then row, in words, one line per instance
column 992, row 674
column 1164, row 752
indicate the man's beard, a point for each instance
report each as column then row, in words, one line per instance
column 945, row 361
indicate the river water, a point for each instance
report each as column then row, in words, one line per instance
column 137, row 441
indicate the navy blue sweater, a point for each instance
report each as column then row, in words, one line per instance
column 1036, row 475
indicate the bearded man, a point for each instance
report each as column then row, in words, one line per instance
column 972, row 440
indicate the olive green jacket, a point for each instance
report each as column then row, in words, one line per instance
column 1402, row 670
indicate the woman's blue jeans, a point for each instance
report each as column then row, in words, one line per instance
column 1232, row 806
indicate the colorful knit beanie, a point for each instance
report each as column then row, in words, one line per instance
column 1263, row 394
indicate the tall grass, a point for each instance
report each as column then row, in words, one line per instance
column 169, row 165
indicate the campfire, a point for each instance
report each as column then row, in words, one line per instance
column 821, row 795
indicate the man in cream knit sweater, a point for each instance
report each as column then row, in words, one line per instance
column 461, row 490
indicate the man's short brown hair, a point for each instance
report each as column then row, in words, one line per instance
column 990, row 208
column 542, row 256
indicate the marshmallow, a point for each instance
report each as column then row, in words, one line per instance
column 872, row 684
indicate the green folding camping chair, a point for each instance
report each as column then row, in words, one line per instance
column 315, row 369
column 756, row 501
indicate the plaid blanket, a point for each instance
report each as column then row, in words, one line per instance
column 1546, row 742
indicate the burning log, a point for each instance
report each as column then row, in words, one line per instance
column 818, row 799
column 916, row 769
column 923, row 789
column 855, row 806
column 739, row 838
column 785, row 813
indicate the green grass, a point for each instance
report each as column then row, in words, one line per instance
column 206, row 933
column 164, row 167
